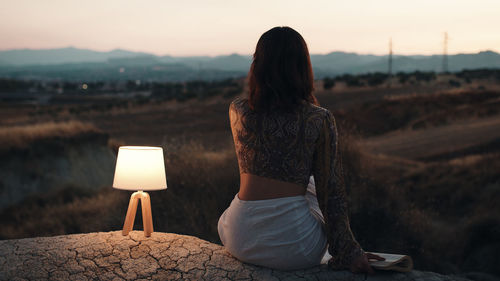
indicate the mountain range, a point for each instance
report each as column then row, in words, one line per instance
column 83, row 64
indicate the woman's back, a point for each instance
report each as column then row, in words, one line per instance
column 270, row 221
column 277, row 146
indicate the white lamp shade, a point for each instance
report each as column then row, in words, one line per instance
column 140, row 168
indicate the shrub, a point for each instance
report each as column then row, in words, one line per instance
column 328, row 83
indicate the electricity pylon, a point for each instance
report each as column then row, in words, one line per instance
column 389, row 71
column 445, row 53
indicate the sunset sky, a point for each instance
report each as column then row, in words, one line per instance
column 216, row 27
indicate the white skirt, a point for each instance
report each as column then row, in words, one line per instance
column 284, row 233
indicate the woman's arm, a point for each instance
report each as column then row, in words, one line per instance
column 331, row 194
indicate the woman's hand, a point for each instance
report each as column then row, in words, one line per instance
column 361, row 264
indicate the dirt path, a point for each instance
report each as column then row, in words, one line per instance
column 435, row 141
column 349, row 98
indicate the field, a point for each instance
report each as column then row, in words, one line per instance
column 422, row 166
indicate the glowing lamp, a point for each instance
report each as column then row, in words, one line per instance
column 139, row 168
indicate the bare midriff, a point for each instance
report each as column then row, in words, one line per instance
column 254, row 187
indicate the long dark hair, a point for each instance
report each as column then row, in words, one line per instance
column 281, row 75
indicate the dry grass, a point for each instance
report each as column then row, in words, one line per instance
column 23, row 136
column 420, row 111
column 64, row 211
column 444, row 214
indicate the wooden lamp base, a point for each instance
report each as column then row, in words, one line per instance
column 147, row 217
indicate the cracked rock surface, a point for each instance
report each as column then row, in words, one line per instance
column 163, row 256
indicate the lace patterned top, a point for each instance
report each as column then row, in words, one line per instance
column 291, row 147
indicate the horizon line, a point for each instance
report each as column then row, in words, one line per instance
column 241, row 54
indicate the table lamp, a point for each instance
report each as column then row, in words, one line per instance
column 139, row 168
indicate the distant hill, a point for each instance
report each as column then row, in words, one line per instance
column 61, row 56
column 339, row 62
column 82, row 64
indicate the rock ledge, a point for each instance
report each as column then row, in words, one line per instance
column 163, row 256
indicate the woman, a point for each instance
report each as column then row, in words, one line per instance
column 287, row 153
